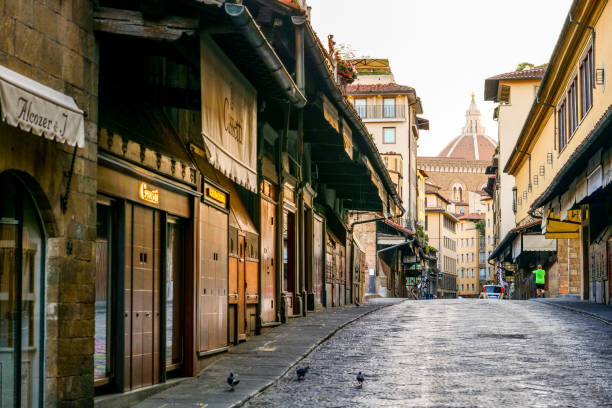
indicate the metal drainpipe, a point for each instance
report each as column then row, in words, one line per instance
column 409, row 209
column 592, row 29
column 298, row 24
column 242, row 18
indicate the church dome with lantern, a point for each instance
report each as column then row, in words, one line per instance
column 473, row 143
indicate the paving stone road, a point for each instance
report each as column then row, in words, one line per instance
column 457, row 353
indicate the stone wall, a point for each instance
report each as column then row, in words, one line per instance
column 569, row 259
column 366, row 235
column 52, row 42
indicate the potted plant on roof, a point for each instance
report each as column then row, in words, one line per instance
column 347, row 73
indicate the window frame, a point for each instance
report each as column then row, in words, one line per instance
column 573, row 111
column 586, row 81
column 385, row 106
column 394, row 135
column 562, row 125
column 364, row 107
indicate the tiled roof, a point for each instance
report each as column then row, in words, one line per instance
column 378, row 89
column 398, row 227
column 526, row 226
column 472, row 216
column 535, row 73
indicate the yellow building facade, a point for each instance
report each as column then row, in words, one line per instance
column 561, row 161
column 441, row 227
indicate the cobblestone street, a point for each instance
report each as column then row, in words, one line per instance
column 457, row 353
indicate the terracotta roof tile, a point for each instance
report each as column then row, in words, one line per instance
column 535, row 73
column 378, row 89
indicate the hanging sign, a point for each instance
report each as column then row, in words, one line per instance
column 229, row 117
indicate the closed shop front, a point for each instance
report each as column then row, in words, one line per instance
column 213, row 271
column 289, row 250
column 141, row 255
column 318, row 261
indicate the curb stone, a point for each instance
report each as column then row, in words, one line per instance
column 309, row 351
column 575, row 310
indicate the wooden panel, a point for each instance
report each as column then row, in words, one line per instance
column 268, row 261
column 317, row 263
column 252, row 281
column 213, row 299
column 241, row 321
column 127, row 365
column 233, row 280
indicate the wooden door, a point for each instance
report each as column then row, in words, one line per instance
column 142, row 297
column 268, row 261
column 213, row 294
column 317, row 261
column 289, row 259
column 241, row 309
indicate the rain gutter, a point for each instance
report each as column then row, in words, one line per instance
column 244, row 22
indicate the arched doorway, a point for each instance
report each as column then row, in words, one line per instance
column 22, row 255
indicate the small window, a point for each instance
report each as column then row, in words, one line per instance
column 514, row 191
column 361, row 108
column 572, row 97
column 586, row 83
column 389, row 107
column 389, row 135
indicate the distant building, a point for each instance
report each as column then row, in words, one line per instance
column 389, row 112
column 460, row 167
column 441, row 228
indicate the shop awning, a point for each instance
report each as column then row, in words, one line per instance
column 556, row 227
column 34, row 107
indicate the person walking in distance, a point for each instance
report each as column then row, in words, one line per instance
column 540, row 279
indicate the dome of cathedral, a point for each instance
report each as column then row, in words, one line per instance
column 473, row 143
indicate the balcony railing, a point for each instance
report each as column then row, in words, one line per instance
column 381, row 111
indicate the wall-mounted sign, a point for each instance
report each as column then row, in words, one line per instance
column 216, row 195
column 229, row 117
column 148, row 194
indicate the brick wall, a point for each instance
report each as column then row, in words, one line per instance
column 52, row 42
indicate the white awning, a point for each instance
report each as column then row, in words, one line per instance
column 538, row 243
column 34, row 107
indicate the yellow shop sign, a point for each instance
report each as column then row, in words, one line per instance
column 216, row 195
column 147, row 194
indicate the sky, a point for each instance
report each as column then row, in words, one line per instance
column 445, row 49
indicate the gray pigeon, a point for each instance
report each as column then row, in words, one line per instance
column 232, row 381
column 360, row 378
column 301, row 372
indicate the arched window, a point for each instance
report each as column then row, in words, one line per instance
column 22, row 248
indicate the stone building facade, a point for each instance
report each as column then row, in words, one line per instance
column 51, row 44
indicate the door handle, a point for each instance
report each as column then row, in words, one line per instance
column 148, row 314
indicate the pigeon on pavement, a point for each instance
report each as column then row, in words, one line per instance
column 232, row 381
column 360, row 378
column 301, row 372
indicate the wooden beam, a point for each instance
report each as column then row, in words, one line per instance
column 133, row 24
